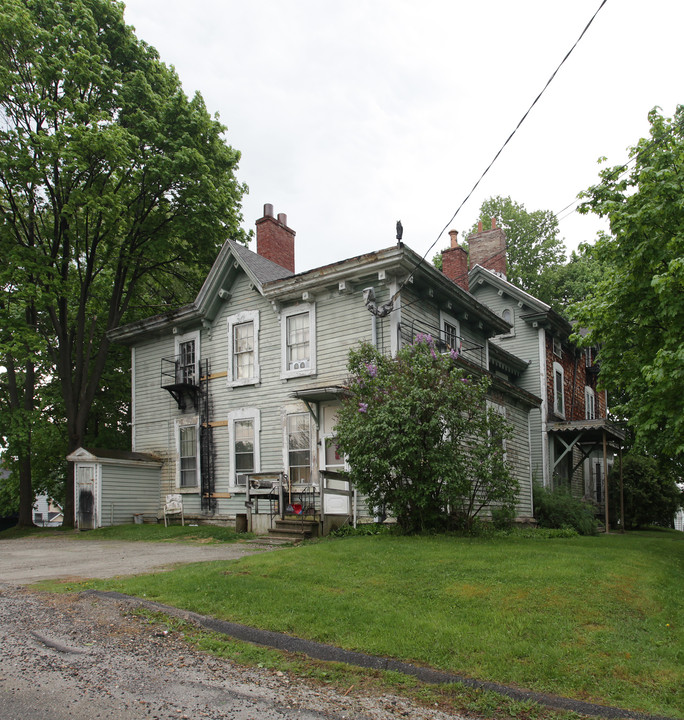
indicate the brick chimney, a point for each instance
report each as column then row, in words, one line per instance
column 488, row 249
column 455, row 262
column 275, row 240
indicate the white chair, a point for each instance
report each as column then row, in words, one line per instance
column 173, row 506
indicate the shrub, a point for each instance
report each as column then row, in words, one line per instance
column 651, row 494
column 503, row 517
column 421, row 438
column 558, row 509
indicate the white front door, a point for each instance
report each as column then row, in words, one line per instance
column 332, row 461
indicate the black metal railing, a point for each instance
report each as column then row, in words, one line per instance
column 444, row 341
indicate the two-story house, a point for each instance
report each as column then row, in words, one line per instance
column 572, row 442
column 235, row 395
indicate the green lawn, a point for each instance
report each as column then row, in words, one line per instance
column 596, row 618
column 152, row 532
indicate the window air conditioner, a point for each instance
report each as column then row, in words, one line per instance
column 299, row 365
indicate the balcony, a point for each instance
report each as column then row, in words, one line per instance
column 181, row 379
column 444, row 341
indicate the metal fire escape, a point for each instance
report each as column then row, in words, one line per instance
column 181, row 381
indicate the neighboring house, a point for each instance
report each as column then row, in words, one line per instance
column 237, row 393
column 572, row 442
column 46, row 512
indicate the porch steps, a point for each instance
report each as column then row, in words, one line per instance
column 294, row 528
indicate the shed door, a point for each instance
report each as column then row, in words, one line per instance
column 85, row 497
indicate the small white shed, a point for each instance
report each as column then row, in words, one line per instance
column 111, row 487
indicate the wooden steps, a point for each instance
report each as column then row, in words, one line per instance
column 294, row 528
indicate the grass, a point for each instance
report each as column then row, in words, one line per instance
column 594, row 618
column 453, row 698
column 133, row 532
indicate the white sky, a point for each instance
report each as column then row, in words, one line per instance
column 351, row 115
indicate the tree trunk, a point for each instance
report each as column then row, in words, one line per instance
column 25, row 492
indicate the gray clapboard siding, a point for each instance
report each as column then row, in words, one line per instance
column 126, row 490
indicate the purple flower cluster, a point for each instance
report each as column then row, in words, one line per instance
column 363, row 407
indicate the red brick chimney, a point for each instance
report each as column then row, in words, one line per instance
column 275, row 240
column 488, row 249
column 455, row 262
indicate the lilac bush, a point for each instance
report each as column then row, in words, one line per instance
column 420, row 439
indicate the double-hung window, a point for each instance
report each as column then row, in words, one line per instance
column 558, row 389
column 298, row 431
column 589, row 403
column 298, row 339
column 450, row 333
column 188, row 456
column 243, row 342
column 187, row 355
column 244, row 429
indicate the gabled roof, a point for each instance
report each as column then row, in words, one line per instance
column 279, row 284
column 117, row 456
column 215, row 288
column 537, row 311
column 262, row 269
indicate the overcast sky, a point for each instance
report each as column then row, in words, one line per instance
column 351, row 115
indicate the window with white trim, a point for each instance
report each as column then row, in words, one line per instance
column 557, row 347
column 187, row 444
column 187, row 358
column 450, row 332
column 298, row 340
column 589, row 403
column 298, row 440
column 244, row 427
column 243, row 348
column 558, row 389
column 508, row 315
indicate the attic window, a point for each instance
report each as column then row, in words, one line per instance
column 507, row 315
column 557, row 348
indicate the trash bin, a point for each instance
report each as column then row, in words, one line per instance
column 138, row 518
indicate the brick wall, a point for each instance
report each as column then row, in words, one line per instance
column 575, row 379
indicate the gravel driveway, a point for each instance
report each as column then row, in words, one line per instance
column 82, row 657
column 27, row 560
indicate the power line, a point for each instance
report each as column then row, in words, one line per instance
column 508, row 139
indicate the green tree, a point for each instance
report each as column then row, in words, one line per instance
column 420, row 438
column 533, row 245
column 636, row 311
column 571, row 282
column 115, row 191
column 650, row 492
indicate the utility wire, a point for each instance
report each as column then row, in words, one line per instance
column 508, row 139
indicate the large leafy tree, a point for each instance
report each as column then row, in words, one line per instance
column 533, row 245
column 420, row 438
column 650, row 492
column 115, row 192
column 636, row 312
